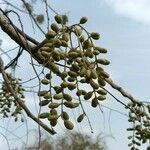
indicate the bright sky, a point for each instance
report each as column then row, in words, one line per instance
column 125, row 31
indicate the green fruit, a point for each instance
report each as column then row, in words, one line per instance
column 58, row 96
column 47, row 96
column 80, row 118
column 64, row 84
column 44, row 81
column 54, row 27
column 53, row 112
column 53, row 123
column 88, row 95
column 101, row 81
column 65, row 37
column 58, row 89
column 45, row 49
column 88, row 53
column 82, row 38
column 42, row 93
column 94, row 74
column 83, row 20
column 70, row 79
column 49, row 45
column 67, row 97
column 53, row 105
column 87, row 44
column 95, row 35
column 83, row 72
column 64, row 115
column 57, row 43
column 96, row 52
column 52, row 117
column 102, row 92
column 72, row 55
column 58, row 19
column 101, row 50
column 78, row 32
column 94, row 85
column 72, row 74
column 68, row 124
column 104, row 74
column 44, row 115
column 48, row 76
column 53, row 67
column 70, row 104
column 103, row 61
column 64, row 74
column 44, row 102
column 101, row 97
column 64, row 43
column 45, row 54
column 75, row 67
column 50, row 34
column 79, row 93
column 71, row 86
column 88, row 73
column 94, row 102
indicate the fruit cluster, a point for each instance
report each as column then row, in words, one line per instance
column 7, row 101
column 72, row 47
column 140, row 121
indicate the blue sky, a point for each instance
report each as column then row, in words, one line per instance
column 124, row 26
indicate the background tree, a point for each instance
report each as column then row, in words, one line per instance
column 69, row 55
column 73, row 141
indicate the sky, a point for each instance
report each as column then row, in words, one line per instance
column 124, row 26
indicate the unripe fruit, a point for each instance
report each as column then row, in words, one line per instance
column 80, row 118
column 44, row 115
column 50, row 34
column 72, row 54
column 44, row 102
column 48, row 76
column 64, row 43
column 53, row 123
column 42, row 93
column 71, row 86
column 94, row 102
column 53, row 105
column 83, row 20
column 64, row 115
column 103, row 61
column 44, row 81
column 68, row 124
column 65, row 37
column 101, row 97
column 58, row 19
column 88, row 95
column 95, row 35
column 102, row 92
column 47, row 96
column 54, row 27
column 72, row 74
column 58, row 96
column 101, row 50
column 94, row 85
column 67, row 97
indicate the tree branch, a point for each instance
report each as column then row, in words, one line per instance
column 120, row 89
column 20, row 102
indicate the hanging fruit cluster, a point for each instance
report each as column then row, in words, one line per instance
column 7, row 101
column 72, row 47
column 140, row 121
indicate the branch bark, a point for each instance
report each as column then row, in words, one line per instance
column 20, row 38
